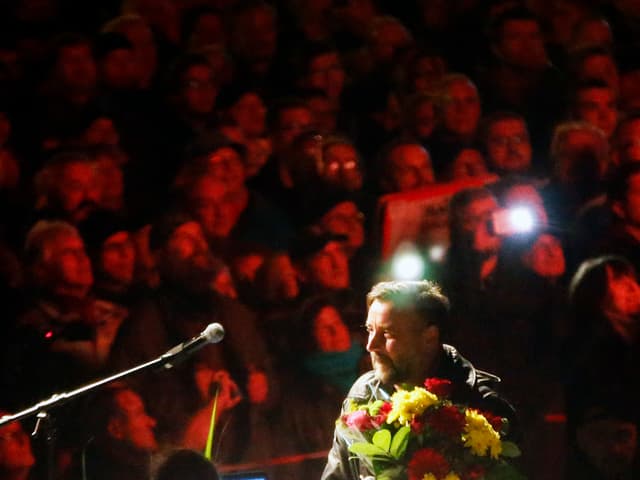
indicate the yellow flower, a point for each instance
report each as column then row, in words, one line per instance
column 408, row 404
column 429, row 476
column 480, row 436
column 451, row 476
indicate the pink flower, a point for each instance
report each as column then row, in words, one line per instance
column 359, row 420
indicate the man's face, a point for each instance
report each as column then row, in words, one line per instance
column 76, row 67
column 623, row 295
column 118, row 69
column 475, row 223
column 199, row 90
column 410, row 168
column 342, row 167
column 598, row 107
column 77, row 191
column 186, row 259
column 117, row 258
column 600, row 67
column 249, row 114
column 508, row 146
column 627, row 145
column 326, row 74
column 546, row 257
column 461, row 110
column 15, row 448
column 330, row 332
column 67, row 264
column 226, row 166
column 291, row 123
column 345, row 219
column 397, row 343
column 329, row 268
column 424, row 119
column 468, row 163
column 213, row 207
column 521, row 45
column 135, row 426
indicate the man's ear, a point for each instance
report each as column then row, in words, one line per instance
column 431, row 335
column 115, row 430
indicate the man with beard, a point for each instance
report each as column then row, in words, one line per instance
column 187, row 300
column 404, row 324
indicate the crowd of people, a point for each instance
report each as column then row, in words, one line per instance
column 166, row 164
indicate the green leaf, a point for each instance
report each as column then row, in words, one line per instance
column 504, row 471
column 382, row 439
column 510, row 450
column 393, row 473
column 367, row 450
column 399, row 442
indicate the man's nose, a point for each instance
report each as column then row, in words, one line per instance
column 373, row 342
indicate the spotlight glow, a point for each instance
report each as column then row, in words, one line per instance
column 437, row 253
column 407, row 265
column 521, row 219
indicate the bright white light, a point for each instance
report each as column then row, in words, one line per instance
column 407, row 266
column 521, row 219
column 436, row 253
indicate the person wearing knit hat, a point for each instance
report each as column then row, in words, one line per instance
column 110, row 248
column 115, row 60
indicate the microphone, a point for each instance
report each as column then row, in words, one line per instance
column 214, row 333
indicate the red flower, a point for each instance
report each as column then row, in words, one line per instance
column 494, row 420
column 360, row 420
column 427, row 460
column 417, row 424
column 383, row 412
column 439, row 386
column 475, row 472
column 447, row 420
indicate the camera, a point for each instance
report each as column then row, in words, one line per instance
column 513, row 221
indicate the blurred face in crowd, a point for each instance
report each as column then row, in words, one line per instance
column 256, row 35
column 423, row 120
column 329, row 268
column 330, row 331
column 144, row 50
column 408, row 167
column 342, row 167
column 475, row 224
column 187, row 261
column 623, row 295
column 461, row 108
column 118, row 69
column 581, row 156
column 225, row 164
column 598, row 107
column 325, row 114
column 76, row 67
column 76, row 191
column 280, row 278
column 467, row 164
column 345, row 219
column 546, row 257
column 117, row 258
column 626, row 146
column 65, row 266
column 594, row 31
column 387, row 38
column 213, row 206
column 427, row 71
column 600, row 67
column 508, row 146
column 199, row 90
column 399, row 342
column 249, row 114
column 629, row 210
column 610, row 445
column 15, row 448
column 102, row 131
column 521, row 45
column 325, row 73
column 291, row 123
column 208, row 30
column 132, row 424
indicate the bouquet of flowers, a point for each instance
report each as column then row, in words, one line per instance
column 421, row 435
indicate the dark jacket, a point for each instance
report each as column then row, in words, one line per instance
column 470, row 386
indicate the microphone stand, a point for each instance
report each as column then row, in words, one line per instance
column 45, row 424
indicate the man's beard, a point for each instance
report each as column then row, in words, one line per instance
column 385, row 370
